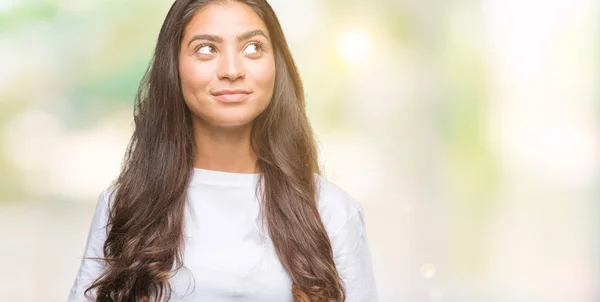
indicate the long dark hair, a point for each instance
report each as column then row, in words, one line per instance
column 145, row 238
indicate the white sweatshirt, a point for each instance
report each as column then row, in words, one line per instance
column 228, row 256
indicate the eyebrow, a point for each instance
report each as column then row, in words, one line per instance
column 217, row 39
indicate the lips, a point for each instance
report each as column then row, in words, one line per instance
column 231, row 96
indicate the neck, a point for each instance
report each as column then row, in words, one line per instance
column 224, row 149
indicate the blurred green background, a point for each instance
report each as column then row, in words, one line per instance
column 468, row 130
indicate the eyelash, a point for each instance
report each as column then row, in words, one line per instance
column 259, row 46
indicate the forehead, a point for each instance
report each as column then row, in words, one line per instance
column 227, row 20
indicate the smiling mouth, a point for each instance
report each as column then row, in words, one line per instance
column 231, row 97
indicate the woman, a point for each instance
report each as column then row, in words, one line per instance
column 219, row 198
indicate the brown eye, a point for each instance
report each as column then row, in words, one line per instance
column 206, row 49
column 253, row 48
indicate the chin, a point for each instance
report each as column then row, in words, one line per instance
column 229, row 122
column 232, row 117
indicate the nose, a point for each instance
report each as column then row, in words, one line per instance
column 231, row 67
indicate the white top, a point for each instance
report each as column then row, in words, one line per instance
column 229, row 257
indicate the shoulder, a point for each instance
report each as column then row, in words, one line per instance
column 103, row 205
column 107, row 197
column 335, row 205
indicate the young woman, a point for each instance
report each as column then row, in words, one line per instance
column 219, row 198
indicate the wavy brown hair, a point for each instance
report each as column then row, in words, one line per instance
column 145, row 237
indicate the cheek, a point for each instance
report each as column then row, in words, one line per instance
column 194, row 77
column 264, row 75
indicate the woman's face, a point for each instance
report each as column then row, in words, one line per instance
column 226, row 65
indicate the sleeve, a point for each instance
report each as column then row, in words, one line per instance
column 89, row 269
column 353, row 259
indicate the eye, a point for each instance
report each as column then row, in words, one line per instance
column 205, row 49
column 253, row 48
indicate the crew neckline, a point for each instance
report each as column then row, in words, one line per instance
column 214, row 177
